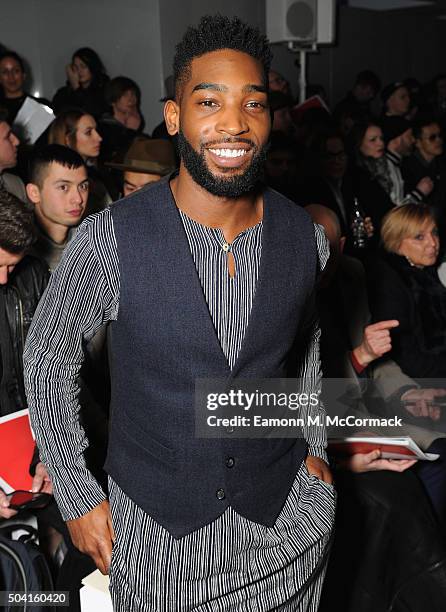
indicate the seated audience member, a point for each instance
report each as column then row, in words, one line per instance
column 327, row 181
column 277, row 82
column 405, row 286
column 372, row 183
column 377, row 181
column 78, row 130
column 86, row 80
column 120, row 126
column 399, row 139
column 376, row 508
column 58, row 189
column 146, row 161
column 396, row 100
column 427, row 161
column 283, row 166
column 358, row 101
column 12, row 83
column 350, row 344
column 8, row 159
column 23, row 279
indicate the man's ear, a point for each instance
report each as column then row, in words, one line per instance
column 172, row 117
column 33, row 193
column 342, row 244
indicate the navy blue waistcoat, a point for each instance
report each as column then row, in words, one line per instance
column 164, row 339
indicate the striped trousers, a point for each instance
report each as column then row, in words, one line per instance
column 229, row 565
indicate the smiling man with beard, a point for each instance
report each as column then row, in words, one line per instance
column 205, row 274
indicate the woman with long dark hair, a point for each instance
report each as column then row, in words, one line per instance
column 86, row 80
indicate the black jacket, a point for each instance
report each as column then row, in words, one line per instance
column 91, row 100
column 419, row 342
column 18, row 300
column 416, row 167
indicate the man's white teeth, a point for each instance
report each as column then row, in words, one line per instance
column 229, row 152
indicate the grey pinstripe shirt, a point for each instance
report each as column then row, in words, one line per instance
column 83, row 294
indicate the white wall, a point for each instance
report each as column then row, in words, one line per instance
column 125, row 33
column 176, row 15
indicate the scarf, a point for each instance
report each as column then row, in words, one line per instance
column 430, row 302
column 378, row 170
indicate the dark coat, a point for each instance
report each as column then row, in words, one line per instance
column 18, row 301
column 416, row 343
column 91, row 100
column 415, row 168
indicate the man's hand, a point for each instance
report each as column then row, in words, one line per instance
column 421, row 402
column 41, row 481
column 5, row 510
column 425, row 186
column 93, row 534
column 371, row 462
column 376, row 342
column 317, row 467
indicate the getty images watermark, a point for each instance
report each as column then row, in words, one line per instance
column 289, row 408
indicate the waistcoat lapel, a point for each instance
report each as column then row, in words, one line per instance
column 188, row 282
column 274, row 283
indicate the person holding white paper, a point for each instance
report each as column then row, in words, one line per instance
column 12, row 84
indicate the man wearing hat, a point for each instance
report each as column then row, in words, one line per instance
column 398, row 136
column 146, row 161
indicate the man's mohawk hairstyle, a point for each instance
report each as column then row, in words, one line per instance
column 215, row 32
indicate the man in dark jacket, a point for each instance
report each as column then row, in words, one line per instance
column 22, row 283
column 427, row 160
column 23, row 280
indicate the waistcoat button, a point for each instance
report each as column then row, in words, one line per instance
column 220, row 494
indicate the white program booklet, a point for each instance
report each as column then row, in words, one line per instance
column 32, row 120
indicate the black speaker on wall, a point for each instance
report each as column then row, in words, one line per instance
column 305, row 21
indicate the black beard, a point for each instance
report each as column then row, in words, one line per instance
column 231, row 187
